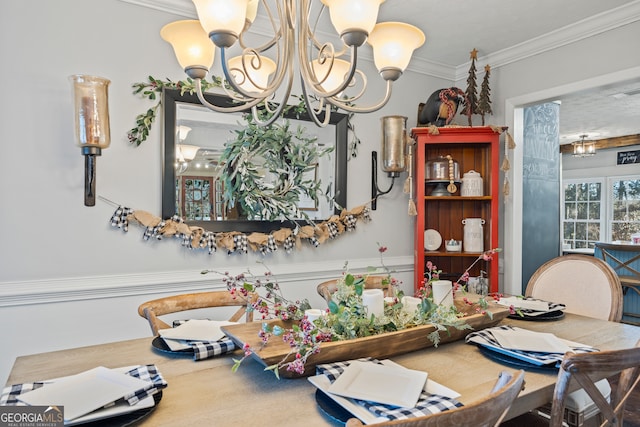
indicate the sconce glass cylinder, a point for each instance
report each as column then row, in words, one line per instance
column 92, row 131
column 91, row 103
column 394, row 144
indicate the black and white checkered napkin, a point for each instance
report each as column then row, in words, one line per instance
column 486, row 337
column 427, row 403
column 206, row 349
column 147, row 373
column 553, row 306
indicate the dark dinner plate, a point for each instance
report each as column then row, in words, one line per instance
column 552, row 315
column 159, row 344
column 513, row 362
column 331, row 409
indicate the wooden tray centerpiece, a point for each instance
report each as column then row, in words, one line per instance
column 378, row 346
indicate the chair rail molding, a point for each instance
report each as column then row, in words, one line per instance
column 20, row 293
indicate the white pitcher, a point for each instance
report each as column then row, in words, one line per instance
column 473, row 240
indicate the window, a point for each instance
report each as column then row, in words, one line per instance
column 625, row 207
column 582, row 219
column 585, row 220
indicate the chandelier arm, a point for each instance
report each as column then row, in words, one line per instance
column 308, row 74
column 312, row 112
column 276, row 31
column 354, row 109
column 232, row 82
column 217, row 108
column 285, row 96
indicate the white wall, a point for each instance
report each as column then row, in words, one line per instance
column 67, row 278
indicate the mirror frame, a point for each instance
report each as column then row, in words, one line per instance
column 170, row 98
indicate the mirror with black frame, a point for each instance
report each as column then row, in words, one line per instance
column 194, row 140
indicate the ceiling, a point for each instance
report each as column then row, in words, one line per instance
column 505, row 31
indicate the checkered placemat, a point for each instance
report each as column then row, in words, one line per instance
column 486, row 337
column 206, row 349
column 427, row 403
column 148, row 373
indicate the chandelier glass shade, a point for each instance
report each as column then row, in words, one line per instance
column 584, row 148
column 260, row 74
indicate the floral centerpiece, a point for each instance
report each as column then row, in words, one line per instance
column 347, row 316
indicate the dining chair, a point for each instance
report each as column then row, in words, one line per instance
column 325, row 289
column 625, row 261
column 582, row 367
column 485, row 412
column 150, row 310
column 585, row 285
column 589, row 287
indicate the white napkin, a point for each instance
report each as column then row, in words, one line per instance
column 85, row 392
column 525, row 304
column 385, row 384
column 196, row 330
column 522, row 339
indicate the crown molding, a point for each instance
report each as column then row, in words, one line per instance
column 597, row 24
column 177, row 7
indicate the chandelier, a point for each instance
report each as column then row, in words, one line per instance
column 254, row 79
column 584, row 148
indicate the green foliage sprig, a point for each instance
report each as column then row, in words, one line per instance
column 150, row 90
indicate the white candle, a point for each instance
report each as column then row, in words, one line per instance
column 410, row 304
column 442, row 292
column 313, row 314
column 373, row 301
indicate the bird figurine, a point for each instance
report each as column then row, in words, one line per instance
column 441, row 107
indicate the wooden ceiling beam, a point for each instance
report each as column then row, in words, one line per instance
column 602, row 144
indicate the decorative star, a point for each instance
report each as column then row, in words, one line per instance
column 474, row 54
column 487, row 68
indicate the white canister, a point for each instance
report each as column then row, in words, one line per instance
column 473, row 240
column 472, row 184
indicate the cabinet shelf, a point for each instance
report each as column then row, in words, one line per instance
column 452, row 254
column 474, row 148
column 457, row 198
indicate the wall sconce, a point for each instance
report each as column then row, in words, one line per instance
column 91, row 103
column 183, row 132
column 584, row 148
column 394, row 146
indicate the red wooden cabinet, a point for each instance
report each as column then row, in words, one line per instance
column 474, row 148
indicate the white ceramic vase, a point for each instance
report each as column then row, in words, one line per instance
column 473, row 240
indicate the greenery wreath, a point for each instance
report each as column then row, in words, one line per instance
column 264, row 170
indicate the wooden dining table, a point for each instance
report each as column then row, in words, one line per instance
column 207, row 392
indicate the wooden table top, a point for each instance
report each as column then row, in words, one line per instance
column 208, row 392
